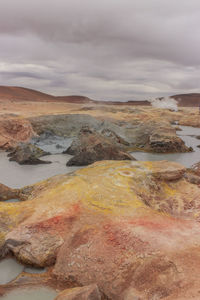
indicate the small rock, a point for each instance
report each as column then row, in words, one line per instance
column 7, row 193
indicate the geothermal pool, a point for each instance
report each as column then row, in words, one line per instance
column 188, row 135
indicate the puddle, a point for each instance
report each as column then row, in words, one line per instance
column 9, row 270
column 39, row 293
column 12, row 200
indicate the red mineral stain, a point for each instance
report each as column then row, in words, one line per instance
column 167, row 223
column 58, row 223
column 123, row 238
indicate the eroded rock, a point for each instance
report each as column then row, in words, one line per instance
column 92, row 146
column 28, row 154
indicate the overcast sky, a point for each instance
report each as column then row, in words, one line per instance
column 104, row 49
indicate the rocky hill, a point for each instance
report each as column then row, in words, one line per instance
column 192, row 100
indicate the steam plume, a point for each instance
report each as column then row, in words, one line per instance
column 165, row 103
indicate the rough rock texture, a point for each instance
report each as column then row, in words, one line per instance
column 92, row 146
column 90, row 292
column 13, row 131
column 147, row 135
column 7, row 193
column 196, row 169
column 28, row 154
column 121, row 225
column 193, row 174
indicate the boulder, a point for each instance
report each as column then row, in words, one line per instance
column 13, row 131
column 28, row 154
column 166, row 144
column 92, row 146
column 7, row 193
column 90, row 292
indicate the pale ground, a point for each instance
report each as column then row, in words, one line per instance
column 121, row 112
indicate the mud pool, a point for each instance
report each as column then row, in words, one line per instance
column 16, row 176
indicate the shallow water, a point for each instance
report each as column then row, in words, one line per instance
column 34, row 270
column 12, row 200
column 9, row 270
column 39, row 293
column 16, row 176
column 52, row 143
column 187, row 159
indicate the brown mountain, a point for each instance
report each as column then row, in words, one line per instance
column 24, row 94
column 192, row 100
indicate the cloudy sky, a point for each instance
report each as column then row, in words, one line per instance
column 104, row 49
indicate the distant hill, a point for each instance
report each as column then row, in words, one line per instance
column 24, row 94
column 192, row 100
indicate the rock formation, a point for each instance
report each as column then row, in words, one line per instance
column 91, row 146
column 28, row 154
column 149, row 136
column 130, row 227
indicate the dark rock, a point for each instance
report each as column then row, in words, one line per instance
column 28, row 154
column 92, row 146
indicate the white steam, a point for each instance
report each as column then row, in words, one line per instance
column 165, row 103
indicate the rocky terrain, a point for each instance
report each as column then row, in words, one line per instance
column 118, row 229
column 131, row 228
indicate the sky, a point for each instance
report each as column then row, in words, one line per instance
column 103, row 49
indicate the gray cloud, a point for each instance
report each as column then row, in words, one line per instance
column 108, row 49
